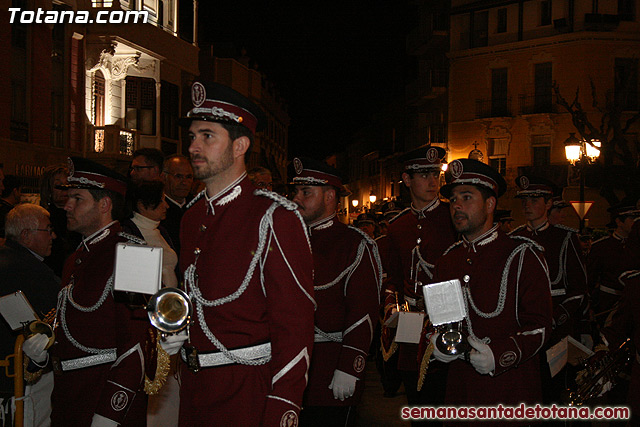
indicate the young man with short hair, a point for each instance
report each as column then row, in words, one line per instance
column 105, row 346
column 249, row 270
column 347, row 282
column 605, row 262
column 416, row 238
column 146, row 164
column 506, row 287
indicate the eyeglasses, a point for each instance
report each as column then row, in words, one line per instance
column 264, row 184
column 139, row 168
column 48, row 229
column 180, row 176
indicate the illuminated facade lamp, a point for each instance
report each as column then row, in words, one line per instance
column 354, row 202
column 445, row 166
column 593, row 149
column 572, row 148
column 372, row 197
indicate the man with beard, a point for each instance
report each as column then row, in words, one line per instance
column 178, row 178
column 347, row 278
column 249, row 272
column 506, row 287
column 103, row 345
column 417, row 237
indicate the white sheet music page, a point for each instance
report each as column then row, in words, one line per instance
column 16, row 310
column 444, row 302
column 138, row 268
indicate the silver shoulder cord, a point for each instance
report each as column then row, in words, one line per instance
column 502, row 295
column 191, row 281
column 66, row 294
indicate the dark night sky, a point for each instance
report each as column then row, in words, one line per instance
column 334, row 62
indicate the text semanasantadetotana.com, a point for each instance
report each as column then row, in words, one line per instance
column 521, row 412
column 41, row 16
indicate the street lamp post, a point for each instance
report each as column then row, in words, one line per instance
column 581, row 153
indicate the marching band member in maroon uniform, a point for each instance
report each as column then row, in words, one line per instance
column 102, row 344
column 347, row 278
column 566, row 270
column 249, row 272
column 417, row 237
column 507, row 292
column 561, row 250
column 625, row 323
column 605, row 262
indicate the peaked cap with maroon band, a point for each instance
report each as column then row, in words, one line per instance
column 535, row 186
column 89, row 175
column 308, row 171
column 214, row 102
column 473, row 172
column 624, row 208
column 425, row 158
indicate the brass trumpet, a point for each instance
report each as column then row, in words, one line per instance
column 170, row 310
column 40, row 327
column 597, row 371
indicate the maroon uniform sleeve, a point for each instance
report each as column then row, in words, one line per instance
column 533, row 312
column 394, row 283
column 288, row 285
column 126, row 375
column 574, row 301
column 362, row 302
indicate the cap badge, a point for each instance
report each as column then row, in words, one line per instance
column 70, row 165
column 198, row 94
column 456, row 169
column 524, row 182
column 297, row 165
column 432, row 155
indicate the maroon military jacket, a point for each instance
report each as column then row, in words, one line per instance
column 605, row 264
column 90, row 320
column 249, row 272
column 416, row 239
column 347, row 277
column 625, row 323
column 566, row 272
column 509, row 303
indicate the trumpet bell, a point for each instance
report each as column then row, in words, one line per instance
column 452, row 342
column 40, row 327
column 170, row 310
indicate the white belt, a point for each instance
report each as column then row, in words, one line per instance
column 85, row 362
column 558, row 292
column 328, row 337
column 609, row 290
column 208, row 360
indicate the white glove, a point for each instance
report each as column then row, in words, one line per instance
column 173, row 343
column 446, row 358
column 100, row 421
column 481, row 357
column 34, row 347
column 343, row 385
